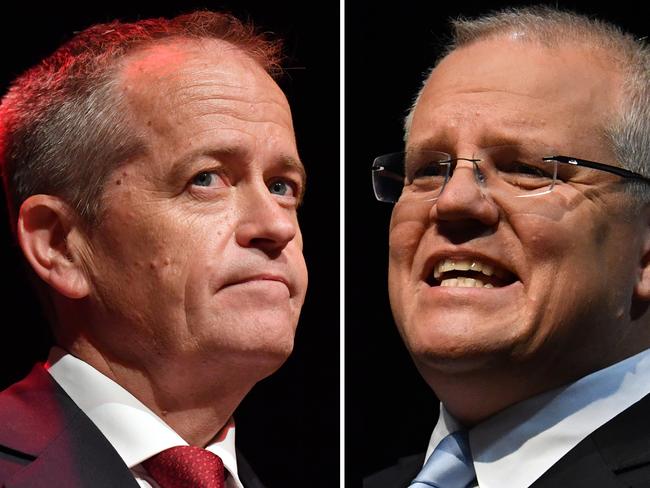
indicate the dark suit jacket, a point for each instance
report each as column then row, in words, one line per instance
column 47, row 441
column 616, row 455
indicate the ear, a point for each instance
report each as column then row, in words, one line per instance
column 46, row 228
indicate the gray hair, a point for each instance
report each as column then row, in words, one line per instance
column 63, row 125
column 629, row 129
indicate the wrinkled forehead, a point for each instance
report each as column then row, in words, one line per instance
column 180, row 67
column 521, row 83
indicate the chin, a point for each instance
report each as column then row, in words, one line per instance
column 459, row 346
column 267, row 342
column 458, row 360
column 266, row 359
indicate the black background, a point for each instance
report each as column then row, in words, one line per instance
column 390, row 411
column 288, row 427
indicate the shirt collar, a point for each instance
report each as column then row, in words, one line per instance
column 133, row 430
column 446, row 425
column 519, row 444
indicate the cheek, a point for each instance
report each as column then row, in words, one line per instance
column 143, row 276
column 206, row 246
column 403, row 241
column 297, row 240
column 406, row 232
column 140, row 254
column 562, row 224
column 576, row 274
column 571, row 237
column 559, row 272
column 299, row 267
column 407, row 226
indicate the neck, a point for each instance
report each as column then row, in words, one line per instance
column 190, row 395
column 474, row 392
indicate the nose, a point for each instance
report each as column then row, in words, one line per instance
column 264, row 223
column 463, row 199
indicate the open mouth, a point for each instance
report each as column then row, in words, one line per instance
column 469, row 273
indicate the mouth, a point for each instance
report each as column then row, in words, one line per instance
column 469, row 273
column 258, row 278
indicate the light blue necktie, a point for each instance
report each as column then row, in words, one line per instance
column 449, row 466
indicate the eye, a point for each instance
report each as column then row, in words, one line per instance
column 526, row 176
column 524, row 169
column 517, row 168
column 208, row 179
column 425, row 165
column 283, row 188
column 430, row 169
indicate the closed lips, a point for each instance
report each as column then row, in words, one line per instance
column 260, row 277
column 266, row 278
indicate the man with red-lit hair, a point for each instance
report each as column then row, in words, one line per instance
column 153, row 181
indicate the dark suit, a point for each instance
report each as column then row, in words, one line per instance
column 47, row 441
column 616, row 455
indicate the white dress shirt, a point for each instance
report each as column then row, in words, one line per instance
column 133, row 430
column 519, row 444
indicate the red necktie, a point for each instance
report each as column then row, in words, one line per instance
column 186, row 467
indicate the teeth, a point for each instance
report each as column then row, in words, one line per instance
column 464, row 265
column 449, row 282
column 465, row 283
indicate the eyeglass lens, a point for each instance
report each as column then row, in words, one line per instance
column 518, row 171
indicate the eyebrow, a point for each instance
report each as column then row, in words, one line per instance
column 488, row 138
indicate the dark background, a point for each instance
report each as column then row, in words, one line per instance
column 288, row 427
column 390, row 411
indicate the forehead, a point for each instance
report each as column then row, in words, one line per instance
column 177, row 60
column 172, row 80
column 192, row 99
column 513, row 87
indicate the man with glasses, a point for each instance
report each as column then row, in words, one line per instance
column 519, row 271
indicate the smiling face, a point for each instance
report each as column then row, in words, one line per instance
column 556, row 273
column 198, row 258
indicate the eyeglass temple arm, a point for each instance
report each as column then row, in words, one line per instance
column 625, row 173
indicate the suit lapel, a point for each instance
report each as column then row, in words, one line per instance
column 614, row 456
column 80, row 456
column 398, row 476
column 246, row 475
column 59, row 445
column 582, row 467
column 624, row 444
column 68, row 447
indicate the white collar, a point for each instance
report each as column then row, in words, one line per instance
column 133, row 430
column 516, row 446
